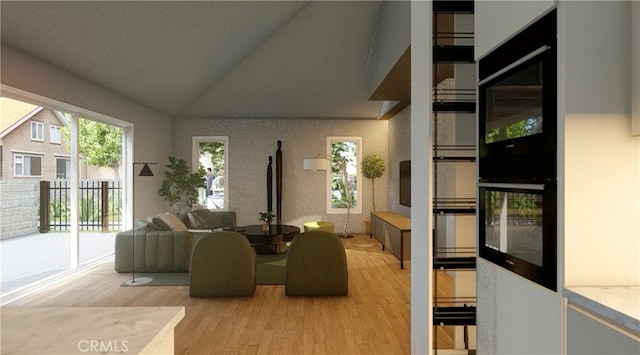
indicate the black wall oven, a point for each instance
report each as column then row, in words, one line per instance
column 517, row 106
column 518, row 229
column 517, row 154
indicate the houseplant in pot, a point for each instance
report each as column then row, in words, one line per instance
column 180, row 186
column 266, row 218
column 372, row 168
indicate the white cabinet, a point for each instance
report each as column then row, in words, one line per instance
column 590, row 334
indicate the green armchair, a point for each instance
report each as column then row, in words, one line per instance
column 316, row 265
column 222, row 264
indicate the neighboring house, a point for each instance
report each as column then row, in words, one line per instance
column 32, row 145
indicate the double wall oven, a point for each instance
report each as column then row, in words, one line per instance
column 517, row 150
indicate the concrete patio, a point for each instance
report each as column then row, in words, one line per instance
column 31, row 258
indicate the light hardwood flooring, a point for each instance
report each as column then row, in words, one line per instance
column 373, row 319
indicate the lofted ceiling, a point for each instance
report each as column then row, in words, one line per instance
column 231, row 59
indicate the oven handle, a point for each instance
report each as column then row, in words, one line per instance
column 514, row 64
column 539, row 187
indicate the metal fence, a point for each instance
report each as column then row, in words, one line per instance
column 99, row 205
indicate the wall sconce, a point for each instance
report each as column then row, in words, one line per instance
column 315, row 164
column 146, row 171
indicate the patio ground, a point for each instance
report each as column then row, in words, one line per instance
column 31, row 258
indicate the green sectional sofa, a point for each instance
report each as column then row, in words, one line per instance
column 164, row 243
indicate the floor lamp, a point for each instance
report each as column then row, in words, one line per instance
column 146, row 171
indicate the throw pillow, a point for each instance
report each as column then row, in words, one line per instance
column 155, row 220
column 194, row 222
column 208, row 219
column 184, row 219
column 173, row 222
column 144, row 225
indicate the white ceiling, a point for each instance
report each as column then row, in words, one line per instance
column 259, row 59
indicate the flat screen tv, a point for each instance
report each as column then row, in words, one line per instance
column 517, row 107
column 405, row 183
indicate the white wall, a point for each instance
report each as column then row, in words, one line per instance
column 152, row 130
column 399, row 150
column 601, row 157
column 421, row 179
column 251, row 141
column 393, row 37
column 499, row 20
column 635, row 68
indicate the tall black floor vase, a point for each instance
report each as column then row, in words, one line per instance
column 279, row 183
column 270, row 185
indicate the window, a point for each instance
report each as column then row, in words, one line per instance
column 27, row 165
column 37, row 131
column 55, row 136
column 55, row 162
column 213, row 153
column 344, row 175
column 63, row 168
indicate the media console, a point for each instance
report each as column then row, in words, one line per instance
column 393, row 231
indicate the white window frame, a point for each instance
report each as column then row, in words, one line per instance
column 23, row 160
column 195, row 162
column 55, row 134
column 355, row 165
column 67, row 160
column 37, row 131
column 127, row 146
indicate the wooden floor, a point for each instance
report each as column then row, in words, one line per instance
column 373, row 319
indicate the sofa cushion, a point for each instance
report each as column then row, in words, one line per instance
column 147, row 225
column 215, row 219
column 173, row 222
column 155, row 251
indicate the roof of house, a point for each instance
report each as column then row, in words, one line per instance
column 13, row 110
column 14, row 113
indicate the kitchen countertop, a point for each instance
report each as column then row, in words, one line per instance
column 618, row 305
column 80, row 330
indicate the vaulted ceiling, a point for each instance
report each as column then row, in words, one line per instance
column 232, row 59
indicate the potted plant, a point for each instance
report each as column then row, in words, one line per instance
column 180, row 186
column 266, row 218
column 372, row 168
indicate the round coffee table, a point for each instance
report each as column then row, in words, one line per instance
column 273, row 241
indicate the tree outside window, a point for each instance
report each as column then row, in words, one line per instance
column 344, row 178
column 100, row 144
